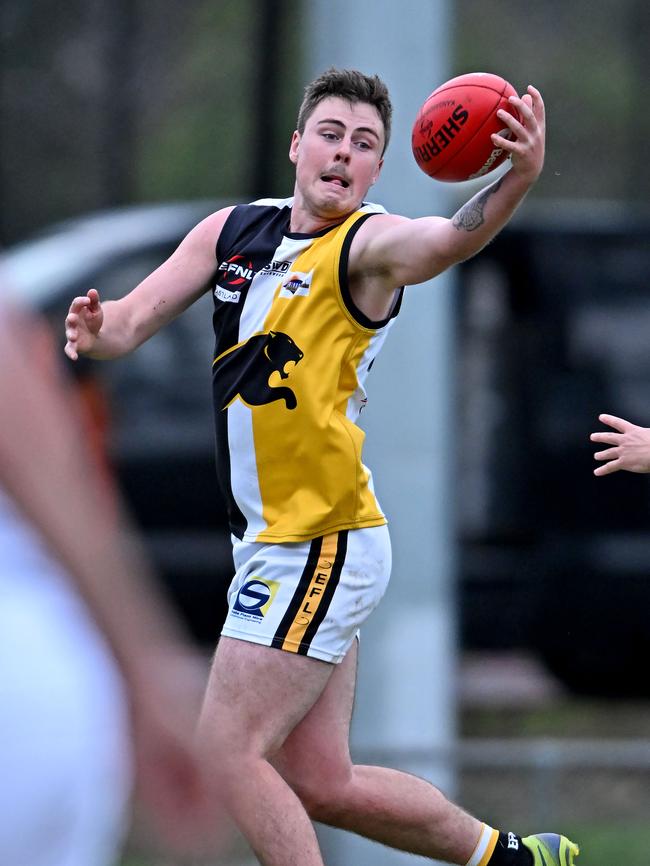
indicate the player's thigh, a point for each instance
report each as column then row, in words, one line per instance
column 256, row 696
column 317, row 750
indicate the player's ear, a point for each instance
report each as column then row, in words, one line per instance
column 293, row 148
column 375, row 177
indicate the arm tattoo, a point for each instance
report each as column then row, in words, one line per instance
column 470, row 216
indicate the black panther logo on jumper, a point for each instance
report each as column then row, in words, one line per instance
column 245, row 371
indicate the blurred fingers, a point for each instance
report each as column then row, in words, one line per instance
column 619, row 424
column 71, row 323
column 527, row 101
column 608, row 468
column 525, row 108
column 513, row 124
column 70, row 351
column 79, row 303
column 536, row 101
column 606, row 437
column 608, row 454
column 504, row 143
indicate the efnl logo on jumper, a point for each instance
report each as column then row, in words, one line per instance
column 254, row 598
column 296, row 283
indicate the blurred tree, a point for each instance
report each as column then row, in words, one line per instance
column 49, row 110
column 218, row 118
column 272, row 29
column 195, row 113
column 589, row 58
column 119, row 29
column 638, row 126
column 104, row 102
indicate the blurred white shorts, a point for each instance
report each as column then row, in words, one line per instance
column 308, row 597
column 65, row 764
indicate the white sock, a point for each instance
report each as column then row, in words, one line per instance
column 484, row 847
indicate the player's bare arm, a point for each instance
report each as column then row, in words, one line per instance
column 390, row 250
column 115, row 328
column 628, row 446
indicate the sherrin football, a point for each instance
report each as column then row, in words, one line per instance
column 451, row 134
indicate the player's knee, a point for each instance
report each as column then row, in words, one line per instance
column 321, row 804
column 323, row 794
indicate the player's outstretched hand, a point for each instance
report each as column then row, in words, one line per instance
column 629, row 446
column 526, row 148
column 82, row 324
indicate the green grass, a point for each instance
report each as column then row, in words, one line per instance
column 562, row 718
column 137, row 860
column 600, row 845
column 611, row 845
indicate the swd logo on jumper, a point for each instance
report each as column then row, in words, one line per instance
column 254, row 598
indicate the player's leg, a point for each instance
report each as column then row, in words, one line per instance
column 279, row 642
column 391, row 807
column 255, row 696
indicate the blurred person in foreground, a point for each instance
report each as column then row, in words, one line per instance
column 97, row 688
column 305, row 290
column 629, row 446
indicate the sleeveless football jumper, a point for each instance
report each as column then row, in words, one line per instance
column 291, row 358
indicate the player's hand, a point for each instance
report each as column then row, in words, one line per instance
column 629, row 446
column 83, row 324
column 527, row 146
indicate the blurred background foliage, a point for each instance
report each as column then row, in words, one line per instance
column 104, row 104
column 142, row 100
column 590, row 59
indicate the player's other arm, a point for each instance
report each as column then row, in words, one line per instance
column 115, row 328
column 405, row 252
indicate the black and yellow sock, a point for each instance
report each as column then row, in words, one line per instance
column 500, row 849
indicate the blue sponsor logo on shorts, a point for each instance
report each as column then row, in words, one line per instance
column 255, row 597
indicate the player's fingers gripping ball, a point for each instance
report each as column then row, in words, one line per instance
column 451, row 137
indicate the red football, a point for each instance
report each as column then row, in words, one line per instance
column 451, row 134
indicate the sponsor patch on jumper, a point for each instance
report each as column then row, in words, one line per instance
column 297, row 283
column 276, row 268
column 226, row 295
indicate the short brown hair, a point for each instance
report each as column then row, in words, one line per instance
column 351, row 85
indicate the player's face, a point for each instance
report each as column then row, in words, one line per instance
column 338, row 156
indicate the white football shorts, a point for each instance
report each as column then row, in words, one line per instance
column 308, row 597
column 65, row 741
